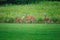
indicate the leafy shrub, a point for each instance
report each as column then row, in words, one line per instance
column 1, row 19
column 11, row 20
column 58, row 20
column 54, row 19
column 40, row 20
column 6, row 20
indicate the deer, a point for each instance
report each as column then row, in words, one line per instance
column 30, row 19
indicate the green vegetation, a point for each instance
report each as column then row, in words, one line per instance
column 51, row 8
column 29, row 31
column 22, row 1
column 9, row 30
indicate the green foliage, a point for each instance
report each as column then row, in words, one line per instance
column 22, row 1
column 54, row 19
column 40, row 20
column 1, row 19
column 37, row 10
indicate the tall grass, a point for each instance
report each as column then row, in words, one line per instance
column 37, row 10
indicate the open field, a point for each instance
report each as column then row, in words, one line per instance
column 29, row 31
column 12, row 30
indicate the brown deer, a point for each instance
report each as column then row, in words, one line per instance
column 17, row 20
column 47, row 20
column 30, row 19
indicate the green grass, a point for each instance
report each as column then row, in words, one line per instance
column 29, row 31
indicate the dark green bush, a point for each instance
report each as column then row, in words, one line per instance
column 1, row 19
column 54, row 19
column 40, row 20
column 6, row 20
column 58, row 20
column 11, row 20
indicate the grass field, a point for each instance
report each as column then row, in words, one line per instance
column 16, row 31
column 29, row 31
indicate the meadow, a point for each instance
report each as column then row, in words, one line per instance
column 16, row 31
column 29, row 31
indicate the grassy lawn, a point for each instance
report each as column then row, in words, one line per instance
column 29, row 31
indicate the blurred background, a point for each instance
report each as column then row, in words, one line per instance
column 12, row 9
